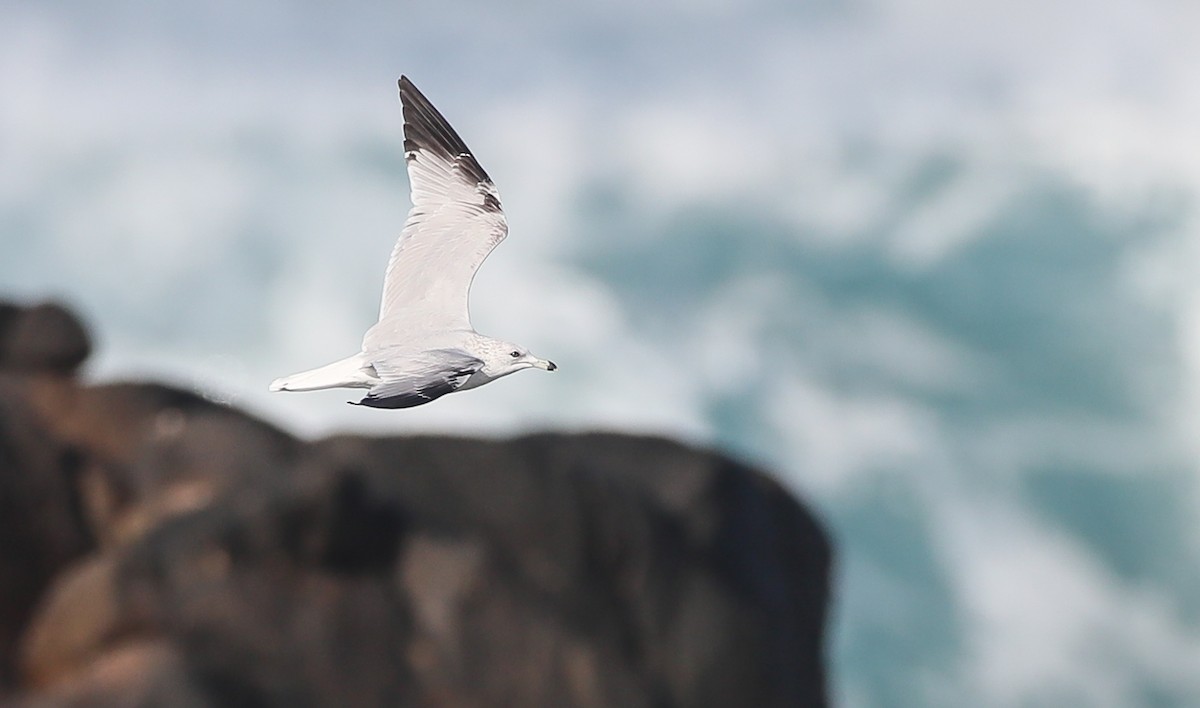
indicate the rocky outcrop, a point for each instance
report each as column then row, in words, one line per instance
column 183, row 553
column 42, row 525
column 41, row 338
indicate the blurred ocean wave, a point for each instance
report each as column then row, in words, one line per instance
column 930, row 261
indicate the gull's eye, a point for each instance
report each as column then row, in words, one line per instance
column 515, row 354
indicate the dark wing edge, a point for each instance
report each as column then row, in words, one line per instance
column 425, row 129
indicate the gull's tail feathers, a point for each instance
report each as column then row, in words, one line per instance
column 347, row 373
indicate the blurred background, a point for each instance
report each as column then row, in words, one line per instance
column 932, row 262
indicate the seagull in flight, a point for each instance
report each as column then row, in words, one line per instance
column 423, row 345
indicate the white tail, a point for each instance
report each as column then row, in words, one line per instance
column 347, row 373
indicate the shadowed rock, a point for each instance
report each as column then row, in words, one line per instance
column 42, row 525
column 699, row 577
column 237, row 566
column 158, row 450
column 44, row 338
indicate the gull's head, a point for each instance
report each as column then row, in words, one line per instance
column 505, row 358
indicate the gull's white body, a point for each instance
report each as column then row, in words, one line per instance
column 423, row 345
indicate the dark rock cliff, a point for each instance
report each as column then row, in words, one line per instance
column 158, row 549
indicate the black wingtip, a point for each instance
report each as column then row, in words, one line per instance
column 412, row 98
column 425, row 128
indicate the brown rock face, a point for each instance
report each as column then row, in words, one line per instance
column 42, row 338
column 42, row 525
column 182, row 553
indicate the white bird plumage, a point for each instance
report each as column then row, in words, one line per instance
column 423, row 345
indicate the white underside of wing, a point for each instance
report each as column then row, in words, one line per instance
column 435, row 259
column 417, row 369
column 454, row 224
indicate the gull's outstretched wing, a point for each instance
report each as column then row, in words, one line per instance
column 455, row 222
column 412, row 379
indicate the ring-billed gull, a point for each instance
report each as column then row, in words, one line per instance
column 423, row 345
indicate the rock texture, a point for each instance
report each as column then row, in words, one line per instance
column 45, row 337
column 42, row 527
column 158, row 549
